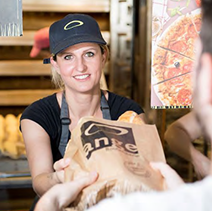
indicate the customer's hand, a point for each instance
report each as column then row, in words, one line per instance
column 171, row 179
column 201, row 164
column 61, row 195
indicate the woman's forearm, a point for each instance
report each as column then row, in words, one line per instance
column 43, row 182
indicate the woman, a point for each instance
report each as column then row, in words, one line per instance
column 78, row 55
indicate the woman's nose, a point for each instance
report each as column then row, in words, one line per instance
column 81, row 65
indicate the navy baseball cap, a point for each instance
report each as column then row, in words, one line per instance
column 71, row 30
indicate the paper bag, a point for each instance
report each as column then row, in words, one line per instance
column 120, row 152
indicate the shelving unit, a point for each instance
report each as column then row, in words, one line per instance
column 27, row 39
column 15, row 63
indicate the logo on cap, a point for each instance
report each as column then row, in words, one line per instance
column 73, row 24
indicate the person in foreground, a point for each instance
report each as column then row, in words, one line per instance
column 179, row 196
column 78, row 55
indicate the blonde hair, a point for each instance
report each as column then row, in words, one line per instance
column 56, row 78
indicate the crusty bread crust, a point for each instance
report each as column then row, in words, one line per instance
column 131, row 117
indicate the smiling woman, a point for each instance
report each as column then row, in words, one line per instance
column 78, row 55
column 83, row 57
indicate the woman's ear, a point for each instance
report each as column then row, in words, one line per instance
column 104, row 57
column 55, row 65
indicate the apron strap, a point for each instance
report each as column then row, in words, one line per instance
column 105, row 107
column 64, row 117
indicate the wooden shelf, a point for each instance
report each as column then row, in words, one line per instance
column 66, row 5
column 24, row 68
column 28, row 39
column 29, row 68
column 23, row 97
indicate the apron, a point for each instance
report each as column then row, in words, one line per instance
column 64, row 117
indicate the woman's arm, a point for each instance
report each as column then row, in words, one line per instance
column 40, row 157
column 180, row 135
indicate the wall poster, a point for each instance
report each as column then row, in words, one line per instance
column 175, row 26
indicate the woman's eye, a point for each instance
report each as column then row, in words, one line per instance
column 68, row 57
column 89, row 54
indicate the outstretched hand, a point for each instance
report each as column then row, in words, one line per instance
column 61, row 195
column 171, row 179
column 201, row 165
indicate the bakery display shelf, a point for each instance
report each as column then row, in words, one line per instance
column 23, row 97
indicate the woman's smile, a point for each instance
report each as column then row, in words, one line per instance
column 81, row 77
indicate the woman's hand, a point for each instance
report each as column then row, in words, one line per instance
column 171, row 179
column 59, row 167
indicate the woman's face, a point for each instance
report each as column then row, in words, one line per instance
column 80, row 66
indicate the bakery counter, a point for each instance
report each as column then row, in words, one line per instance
column 15, row 180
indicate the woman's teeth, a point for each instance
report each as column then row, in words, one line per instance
column 81, row 76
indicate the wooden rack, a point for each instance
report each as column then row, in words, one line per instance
column 38, row 14
column 27, row 39
column 67, row 5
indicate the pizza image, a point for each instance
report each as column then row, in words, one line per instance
column 176, row 91
column 173, row 56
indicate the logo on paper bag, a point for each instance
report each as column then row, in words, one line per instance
column 96, row 136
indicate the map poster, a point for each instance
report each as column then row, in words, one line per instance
column 176, row 25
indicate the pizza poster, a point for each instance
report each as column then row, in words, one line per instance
column 176, row 25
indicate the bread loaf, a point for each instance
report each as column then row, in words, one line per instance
column 131, row 117
column 11, row 141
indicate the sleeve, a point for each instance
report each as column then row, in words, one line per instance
column 46, row 114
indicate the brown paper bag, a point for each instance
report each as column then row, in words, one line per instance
column 120, row 152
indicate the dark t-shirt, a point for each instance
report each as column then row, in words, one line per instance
column 46, row 112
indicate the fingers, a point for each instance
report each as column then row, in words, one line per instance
column 171, row 178
column 68, row 192
column 163, row 168
column 61, row 164
column 201, row 165
column 83, row 182
column 87, row 180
